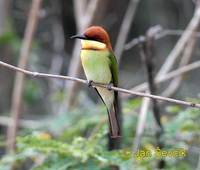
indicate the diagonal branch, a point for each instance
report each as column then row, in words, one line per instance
column 75, row 65
column 125, row 27
column 94, row 84
column 19, row 79
column 175, row 53
column 160, row 34
column 79, row 8
column 179, row 47
column 170, row 75
column 187, row 55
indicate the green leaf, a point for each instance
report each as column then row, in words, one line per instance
column 189, row 125
column 173, row 109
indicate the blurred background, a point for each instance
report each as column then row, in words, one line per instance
column 57, row 124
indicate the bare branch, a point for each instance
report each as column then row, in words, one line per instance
column 187, row 55
column 79, row 8
column 175, row 53
column 4, row 4
column 75, row 65
column 91, row 8
column 146, row 53
column 170, row 75
column 44, row 75
column 19, row 79
column 57, row 55
column 160, row 34
column 141, row 123
column 125, row 27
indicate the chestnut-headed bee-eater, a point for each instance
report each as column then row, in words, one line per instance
column 100, row 65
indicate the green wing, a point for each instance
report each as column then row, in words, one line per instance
column 114, row 69
column 116, row 102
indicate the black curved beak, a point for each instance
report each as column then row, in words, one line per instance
column 78, row 36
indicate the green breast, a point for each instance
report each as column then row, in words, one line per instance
column 96, row 65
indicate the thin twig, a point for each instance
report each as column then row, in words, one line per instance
column 4, row 8
column 36, row 74
column 187, row 55
column 75, row 65
column 148, row 58
column 146, row 54
column 57, row 56
column 125, row 27
column 160, row 34
column 91, row 9
column 19, row 79
column 141, row 123
column 175, row 53
column 146, row 101
column 79, row 8
column 170, row 75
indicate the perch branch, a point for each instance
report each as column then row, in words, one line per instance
column 44, row 75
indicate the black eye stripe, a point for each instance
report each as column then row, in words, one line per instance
column 93, row 39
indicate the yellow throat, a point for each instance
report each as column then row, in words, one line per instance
column 90, row 44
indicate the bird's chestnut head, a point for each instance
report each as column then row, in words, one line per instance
column 94, row 37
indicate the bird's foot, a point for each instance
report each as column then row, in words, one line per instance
column 109, row 86
column 89, row 83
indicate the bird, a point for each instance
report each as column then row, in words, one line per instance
column 100, row 66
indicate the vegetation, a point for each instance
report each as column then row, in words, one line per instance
column 83, row 143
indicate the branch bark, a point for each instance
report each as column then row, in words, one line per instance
column 125, row 27
column 44, row 75
column 3, row 15
column 160, row 34
column 170, row 75
column 58, row 52
column 146, row 52
column 175, row 53
column 141, row 123
column 19, row 79
column 75, row 65
column 187, row 55
column 179, row 47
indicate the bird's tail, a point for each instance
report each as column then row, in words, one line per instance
column 114, row 123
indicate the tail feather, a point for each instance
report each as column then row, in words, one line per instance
column 114, row 123
column 113, row 112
